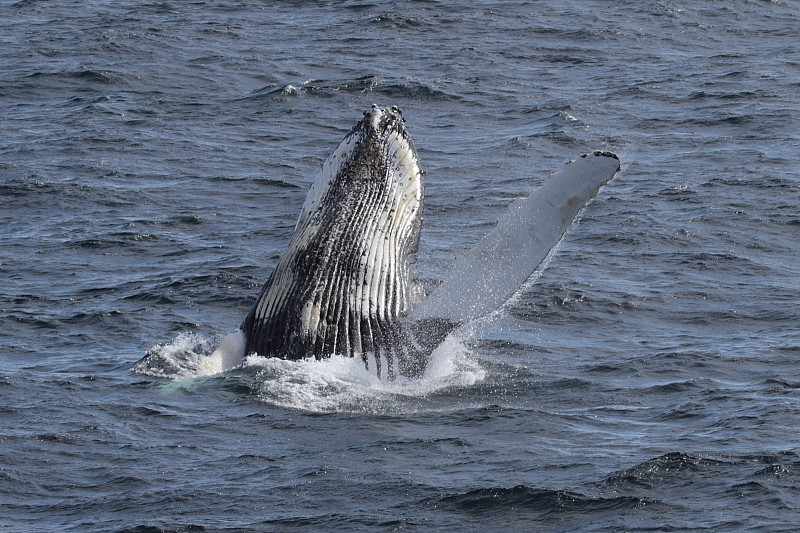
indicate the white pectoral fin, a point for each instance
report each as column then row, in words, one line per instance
column 229, row 354
column 489, row 274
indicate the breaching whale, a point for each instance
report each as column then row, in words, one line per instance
column 346, row 283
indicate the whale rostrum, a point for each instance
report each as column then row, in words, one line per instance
column 346, row 278
column 346, row 284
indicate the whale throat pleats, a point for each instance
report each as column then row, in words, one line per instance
column 347, row 276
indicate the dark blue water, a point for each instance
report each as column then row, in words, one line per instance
column 154, row 157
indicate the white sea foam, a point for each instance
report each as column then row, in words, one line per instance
column 185, row 356
column 334, row 384
column 344, row 384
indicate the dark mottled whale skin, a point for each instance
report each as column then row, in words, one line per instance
column 347, row 278
column 346, row 283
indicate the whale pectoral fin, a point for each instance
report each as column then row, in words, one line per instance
column 420, row 339
column 489, row 274
column 229, row 354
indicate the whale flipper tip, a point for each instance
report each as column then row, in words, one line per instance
column 601, row 153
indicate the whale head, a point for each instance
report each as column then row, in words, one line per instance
column 347, row 276
column 377, row 152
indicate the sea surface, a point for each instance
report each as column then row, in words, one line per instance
column 154, row 157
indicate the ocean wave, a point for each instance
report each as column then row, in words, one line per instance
column 86, row 75
column 763, row 479
column 394, row 90
column 394, row 20
column 500, row 502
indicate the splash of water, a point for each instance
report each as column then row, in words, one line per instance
column 186, row 356
column 329, row 385
column 344, row 384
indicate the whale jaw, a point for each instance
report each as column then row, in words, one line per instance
column 347, row 276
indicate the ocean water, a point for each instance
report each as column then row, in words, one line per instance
column 155, row 156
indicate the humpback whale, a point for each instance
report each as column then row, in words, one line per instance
column 346, row 283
